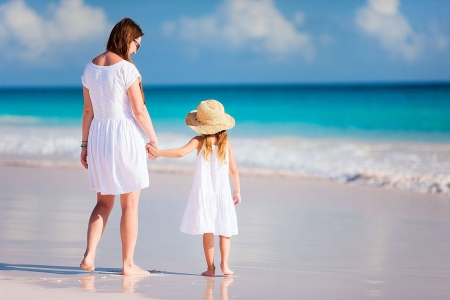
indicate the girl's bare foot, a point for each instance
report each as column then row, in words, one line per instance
column 225, row 270
column 210, row 272
column 134, row 270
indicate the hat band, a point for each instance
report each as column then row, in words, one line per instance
column 214, row 122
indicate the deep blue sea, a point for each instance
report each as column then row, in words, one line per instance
column 385, row 135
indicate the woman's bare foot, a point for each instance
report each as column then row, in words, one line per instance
column 210, row 272
column 87, row 264
column 134, row 270
column 89, row 268
column 225, row 270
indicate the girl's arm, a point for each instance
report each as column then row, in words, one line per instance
column 234, row 172
column 141, row 113
column 88, row 115
column 176, row 153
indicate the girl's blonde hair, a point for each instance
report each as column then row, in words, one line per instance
column 222, row 144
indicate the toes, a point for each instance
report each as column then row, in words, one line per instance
column 89, row 268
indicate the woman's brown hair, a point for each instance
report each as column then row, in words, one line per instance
column 222, row 144
column 120, row 39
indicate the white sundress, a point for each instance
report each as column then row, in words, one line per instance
column 210, row 208
column 117, row 160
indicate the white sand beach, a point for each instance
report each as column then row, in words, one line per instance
column 298, row 239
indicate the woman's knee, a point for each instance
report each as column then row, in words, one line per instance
column 130, row 200
column 106, row 201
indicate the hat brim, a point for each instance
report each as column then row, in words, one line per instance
column 191, row 121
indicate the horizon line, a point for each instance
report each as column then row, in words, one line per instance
column 265, row 84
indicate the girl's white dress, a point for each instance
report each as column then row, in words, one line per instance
column 210, row 207
column 117, row 160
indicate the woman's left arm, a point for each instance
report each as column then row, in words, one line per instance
column 88, row 115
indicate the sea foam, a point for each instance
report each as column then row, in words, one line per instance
column 417, row 166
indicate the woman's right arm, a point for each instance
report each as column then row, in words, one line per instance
column 141, row 113
column 88, row 115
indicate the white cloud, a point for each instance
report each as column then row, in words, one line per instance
column 441, row 41
column 299, row 18
column 382, row 20
column 237, row 24
column 32, row 37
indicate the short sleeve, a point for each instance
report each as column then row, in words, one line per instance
column 131, row 74
column 84, row 78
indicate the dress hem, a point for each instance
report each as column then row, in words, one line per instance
column 207, row 231
column 120, row 192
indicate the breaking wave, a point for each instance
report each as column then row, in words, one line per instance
column 416, row 166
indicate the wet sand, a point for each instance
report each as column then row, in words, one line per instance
column 298, row 239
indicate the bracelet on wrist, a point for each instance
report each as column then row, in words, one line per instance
column 83, row 146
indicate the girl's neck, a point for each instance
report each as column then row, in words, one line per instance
column 214, row 140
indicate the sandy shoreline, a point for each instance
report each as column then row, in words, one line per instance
column 299, row 238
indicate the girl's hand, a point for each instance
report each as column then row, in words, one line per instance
column 83, row 157
column 237, row 198
column 151, row 147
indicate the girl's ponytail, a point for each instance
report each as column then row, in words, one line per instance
column 222, row 153
column 222, row 144
column 207, row 146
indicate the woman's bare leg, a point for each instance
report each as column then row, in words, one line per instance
column 208, row 247
column 97, row 223
column 129, row 231
column 225, row 254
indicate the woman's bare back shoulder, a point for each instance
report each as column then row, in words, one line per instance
column 107, row 59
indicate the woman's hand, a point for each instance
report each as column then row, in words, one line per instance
column 83, row 157
column 237, row 198
column 150, row 150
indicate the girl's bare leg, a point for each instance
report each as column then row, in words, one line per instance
column 129, row 231
column 208, row 247
column 97, row 223
column 225, row 254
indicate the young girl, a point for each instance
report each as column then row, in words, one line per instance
column 210, row 210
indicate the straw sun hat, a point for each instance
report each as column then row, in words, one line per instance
column 209, row 118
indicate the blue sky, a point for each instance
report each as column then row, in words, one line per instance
column 48, row 43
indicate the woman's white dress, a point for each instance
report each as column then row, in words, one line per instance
column 117, row 160
column 210, row 208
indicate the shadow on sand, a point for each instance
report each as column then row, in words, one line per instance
column 70, row 270
column 65, row 270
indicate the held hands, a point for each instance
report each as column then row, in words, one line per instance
column 150, row 147
column 236, row 198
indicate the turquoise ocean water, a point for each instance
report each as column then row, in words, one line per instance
column 387, row 135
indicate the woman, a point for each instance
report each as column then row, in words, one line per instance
column 112, row 147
